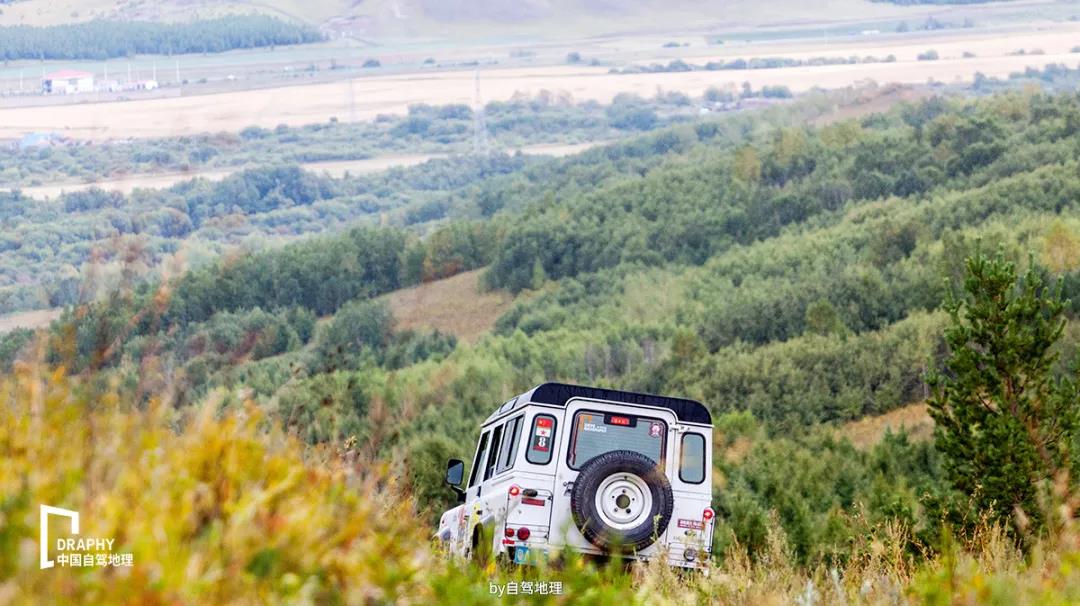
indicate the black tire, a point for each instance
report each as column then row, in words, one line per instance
column 583, row 501
column 481, row 545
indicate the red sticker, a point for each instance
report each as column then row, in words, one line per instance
column 695, row 524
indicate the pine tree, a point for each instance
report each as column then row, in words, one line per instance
column 1003, row 421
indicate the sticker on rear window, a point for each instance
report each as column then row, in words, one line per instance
column 655, row 430
column 542, row 437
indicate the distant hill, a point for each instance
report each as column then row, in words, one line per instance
column 436, row 18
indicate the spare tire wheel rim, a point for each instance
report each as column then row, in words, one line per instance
column 624, row 501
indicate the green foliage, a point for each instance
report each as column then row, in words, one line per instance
column 357, row 328
column 1004, row 423
column 425, row 471
column 823, row 492
column 46, row 244
column 319, row 276
column 11, row 343
column 107, row 39
column 631, row 112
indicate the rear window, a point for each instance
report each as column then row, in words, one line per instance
column 595, row 433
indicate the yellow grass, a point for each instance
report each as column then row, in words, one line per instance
column 453, row 305
column 868, row 431
column 218, row 505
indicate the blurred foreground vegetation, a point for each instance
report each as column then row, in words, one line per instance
column 222, row 506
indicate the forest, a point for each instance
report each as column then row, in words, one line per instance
column 48, row 244
column 792, row 274
column 99, row 39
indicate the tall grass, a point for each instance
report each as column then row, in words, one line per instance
column 220, row 506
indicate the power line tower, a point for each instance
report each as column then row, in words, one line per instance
column 481, row 140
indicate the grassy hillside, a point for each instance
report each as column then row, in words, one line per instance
column 457, row 305
column 791, row 277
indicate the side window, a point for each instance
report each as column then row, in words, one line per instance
column 541, row 439
column 692, row 458
column 480, row 451
column 511, row 439
column 493, row 452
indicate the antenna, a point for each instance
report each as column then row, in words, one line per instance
column 481, row 141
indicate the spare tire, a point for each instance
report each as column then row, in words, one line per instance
column 621, row 501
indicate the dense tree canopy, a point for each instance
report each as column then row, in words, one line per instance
column 108, row 39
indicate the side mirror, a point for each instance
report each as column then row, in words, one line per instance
column 455, row 474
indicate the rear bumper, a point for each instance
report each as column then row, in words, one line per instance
column 674, row 554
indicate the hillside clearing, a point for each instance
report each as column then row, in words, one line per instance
column 868, row 431
column 28, row 319
column 454, row 305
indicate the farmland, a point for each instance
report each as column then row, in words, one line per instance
column 364, row 98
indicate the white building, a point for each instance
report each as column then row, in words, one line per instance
column 66, row 82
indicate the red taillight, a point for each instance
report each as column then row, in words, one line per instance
column 515, row 490
column 509, row 532
column 708, row 514
column 523, row 533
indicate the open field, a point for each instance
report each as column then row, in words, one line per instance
column 333, row 168
column 868, row 431
column 454, row 305
column 28, row 319
column 365, row 98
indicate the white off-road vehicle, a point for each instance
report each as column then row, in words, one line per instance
column 595, row 470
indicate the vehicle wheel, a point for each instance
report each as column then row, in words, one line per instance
column 481, row 545
column 621, row 501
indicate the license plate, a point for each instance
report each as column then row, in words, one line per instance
column 521, row 554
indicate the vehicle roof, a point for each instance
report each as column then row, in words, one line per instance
column 558, row 394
